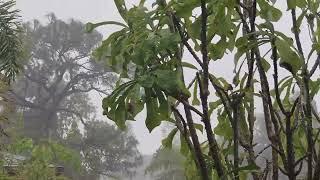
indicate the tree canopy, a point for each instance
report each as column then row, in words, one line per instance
column 57, row 79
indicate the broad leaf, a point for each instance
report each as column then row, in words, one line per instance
column 289, row 59
column 167, row 142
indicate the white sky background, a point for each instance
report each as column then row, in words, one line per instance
column 101, row 10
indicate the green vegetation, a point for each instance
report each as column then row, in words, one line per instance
column 49, row 129
column 10, row 40
column 164, row 61
column 155, row 40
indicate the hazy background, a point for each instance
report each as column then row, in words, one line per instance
column 90, row 11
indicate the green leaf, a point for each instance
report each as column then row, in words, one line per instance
column 243, row 79
column 224, row 127
column 265, row 64
column 288, row 58
column 198, row 126
column 163, row 109
column 168, row 40
column 214, row 105
column 243, row 125
column 146, row 81
column 167, row 142
column 193, row 29
column 122, row 9
column 293, row 3
column 134, row 102
column 114, row 105
column 195, row 100
column 243, row 45
column 189, row 65
column 142, row 2
column 216, row 51
column 250, row 167
column 153, row 119
column 171, row 83
column 184, row 8
column 232, row 38
column 269, row 12
column 91, row 26
column 314, row 87
column 120, row 115
column 184, row 149
column 300, row 18
column 313, row 6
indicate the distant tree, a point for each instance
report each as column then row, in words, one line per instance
column 167, row 164
column 54, row 87
column 105, row 151
column 53, row 96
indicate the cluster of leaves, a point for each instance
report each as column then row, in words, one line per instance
column 153, row 40
column 10, row 37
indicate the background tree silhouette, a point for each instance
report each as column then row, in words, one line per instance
column 52, row 95
column 58, row 77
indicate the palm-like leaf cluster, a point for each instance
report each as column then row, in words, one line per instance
column 10, row 43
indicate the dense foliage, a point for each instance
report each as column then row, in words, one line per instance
column 157, row 42
column 10, row 42
column 10, row 53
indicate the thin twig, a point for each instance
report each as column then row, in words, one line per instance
column 315, row 66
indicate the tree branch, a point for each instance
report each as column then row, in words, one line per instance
column 184, row 39
column 315, row 66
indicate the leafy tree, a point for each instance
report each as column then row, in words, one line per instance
column 53, row 97
column 104, row 150
column 154, row 40
column 167, row 164
column 57, row 79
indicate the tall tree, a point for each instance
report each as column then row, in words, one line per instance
column 53, row 96
column 57, row 79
